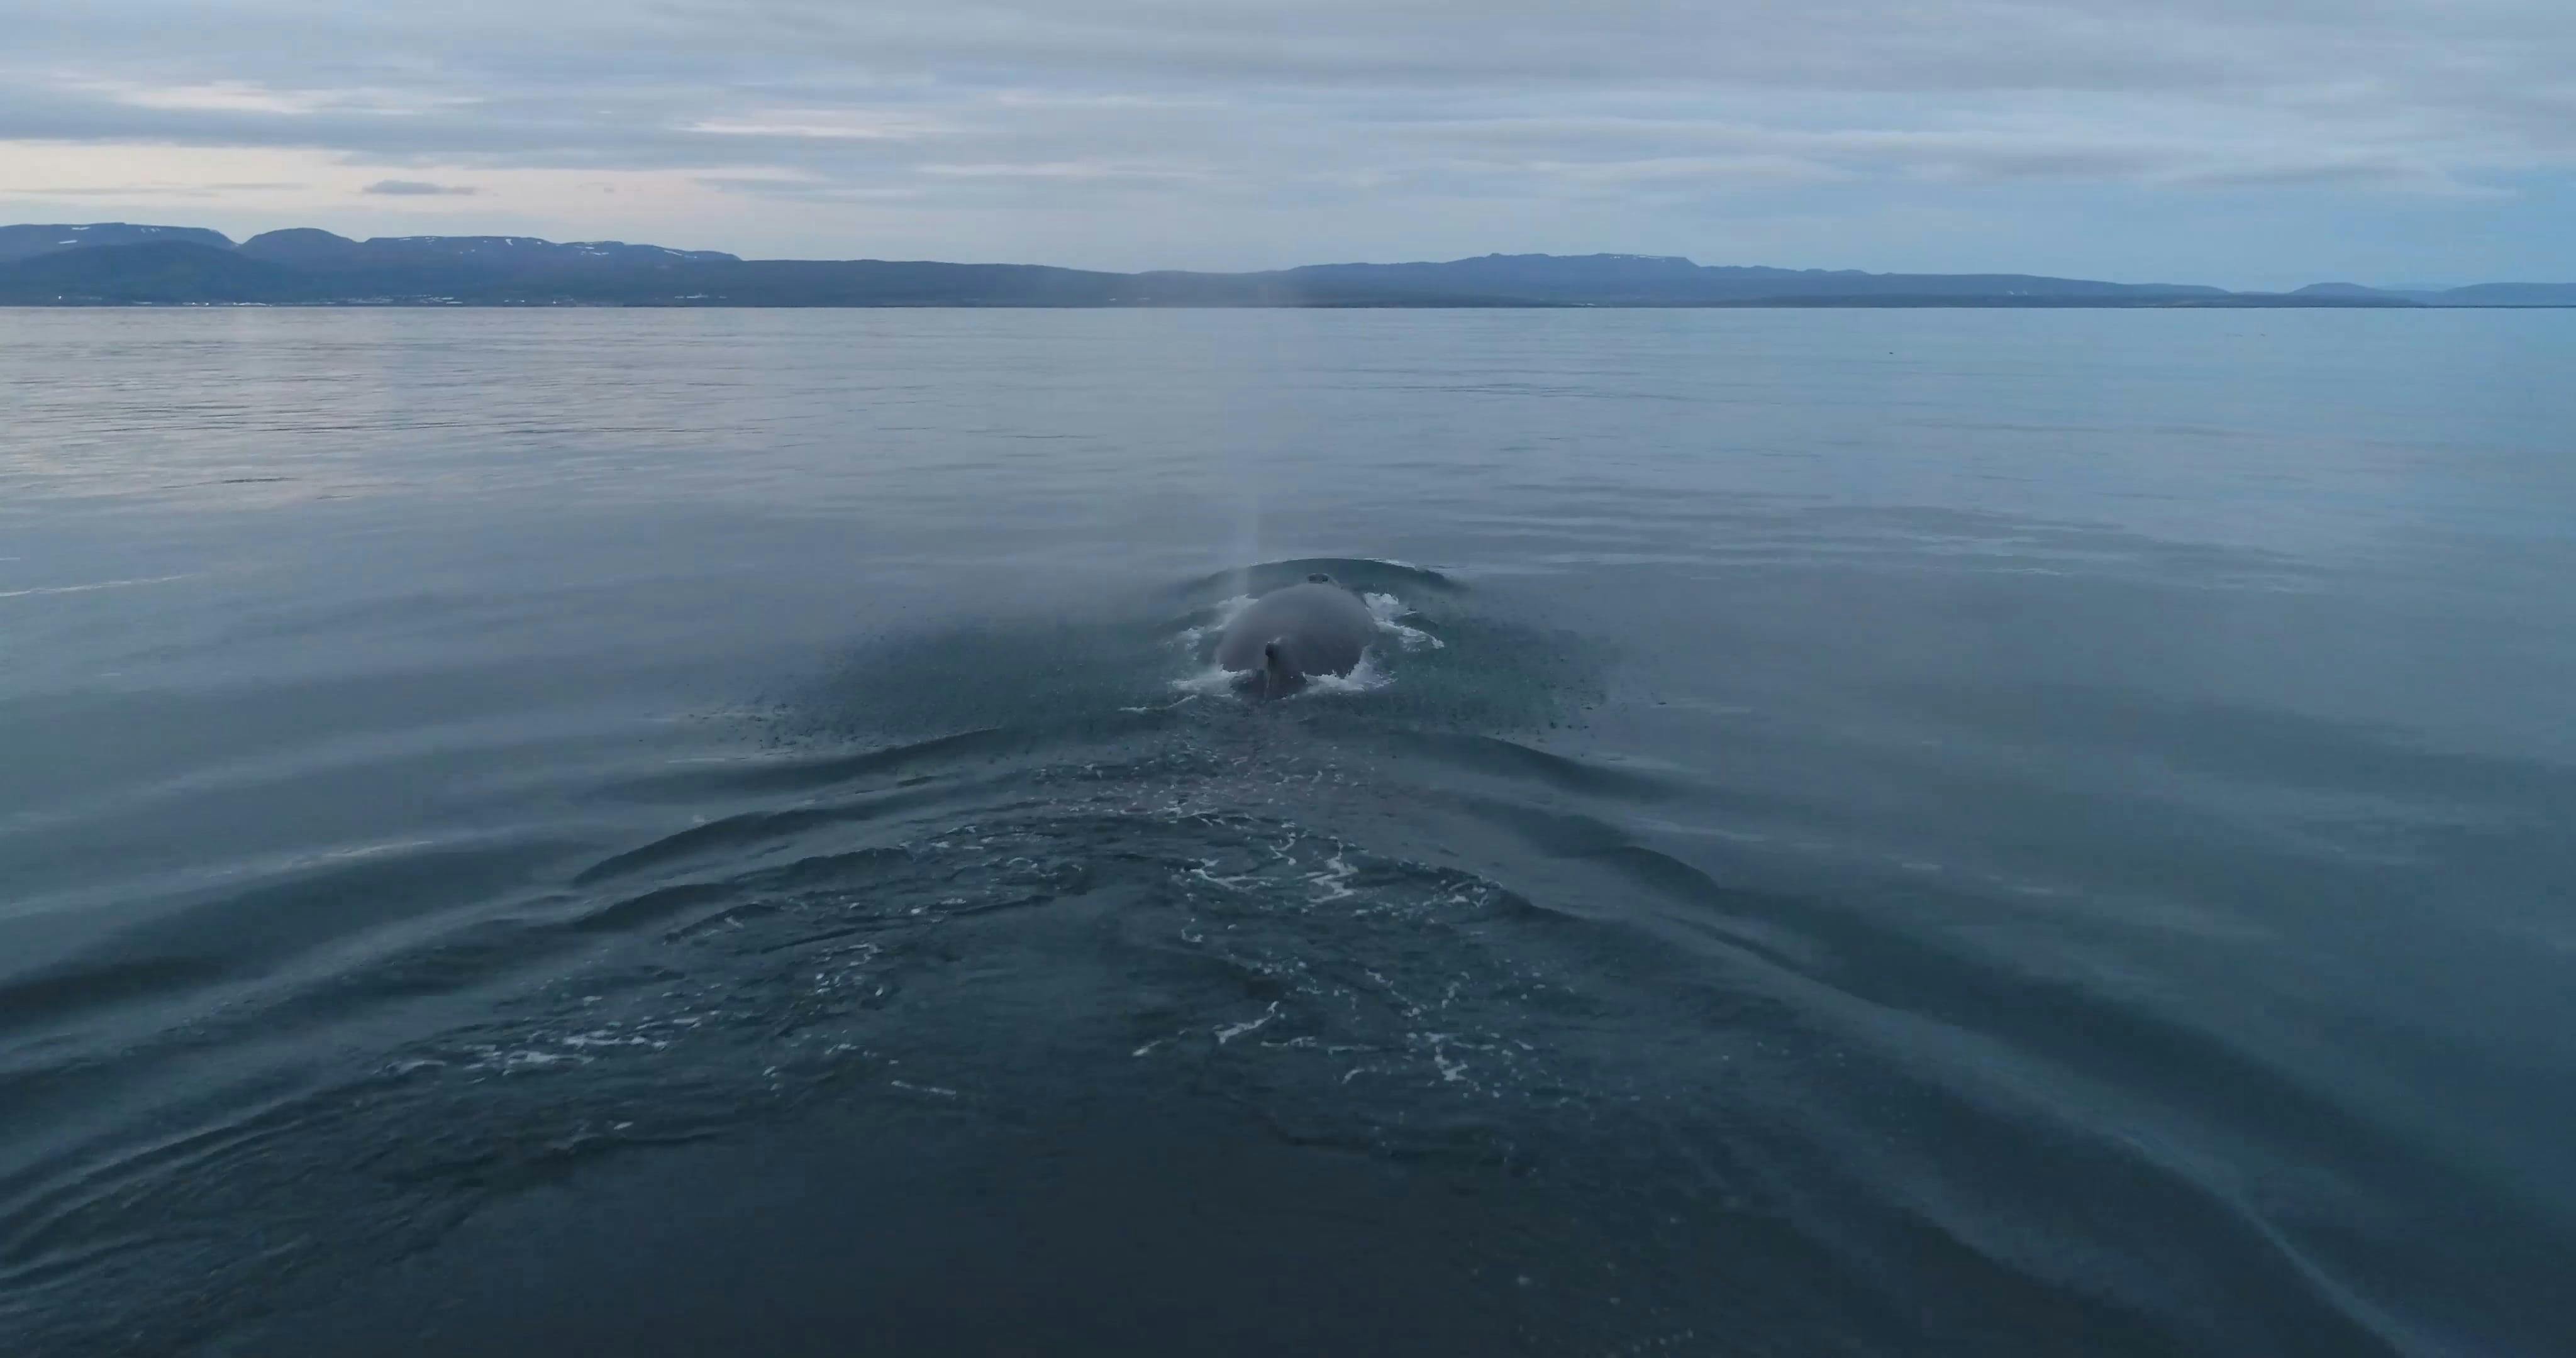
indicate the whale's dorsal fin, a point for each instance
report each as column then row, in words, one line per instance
column 1277, row 675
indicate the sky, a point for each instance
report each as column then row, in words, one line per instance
column 2244, row 143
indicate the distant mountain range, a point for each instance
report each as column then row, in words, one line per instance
column 2476, row 294
column 114, row 263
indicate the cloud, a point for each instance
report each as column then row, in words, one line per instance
column 166, row 188
column 229, row 96
column 419, row 188
column 1032, row 127
column 1085, row 170
column 821, row 124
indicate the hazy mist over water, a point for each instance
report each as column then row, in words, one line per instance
column 1889, row 832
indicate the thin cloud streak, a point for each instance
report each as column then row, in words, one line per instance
column 417, row 188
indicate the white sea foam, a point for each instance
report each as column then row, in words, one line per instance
column 1208, row 682
column 1390, row 613
column 1228, row 1032
column 1365, row 677
column 1227, row 611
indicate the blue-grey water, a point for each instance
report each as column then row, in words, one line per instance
column 1868, row 833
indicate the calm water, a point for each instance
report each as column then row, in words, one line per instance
column 1888, row 832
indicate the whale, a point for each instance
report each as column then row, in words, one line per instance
column 1290, row 635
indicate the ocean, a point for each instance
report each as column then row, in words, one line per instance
column 1866, row 832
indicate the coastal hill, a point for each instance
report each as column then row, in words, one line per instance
column 2476, row 294
column 19, row 242
column 115, row 263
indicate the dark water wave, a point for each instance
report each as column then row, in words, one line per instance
column 984, row 873
column 1360, row 573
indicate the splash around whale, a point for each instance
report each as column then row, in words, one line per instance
column 1292, row 635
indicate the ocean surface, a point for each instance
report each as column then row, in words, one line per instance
column 1867, row 832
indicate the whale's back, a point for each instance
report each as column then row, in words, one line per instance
column 1307, row 629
